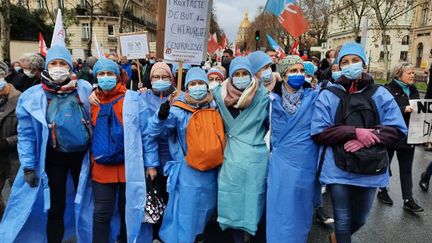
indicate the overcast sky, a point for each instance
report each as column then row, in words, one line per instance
column 229, row 14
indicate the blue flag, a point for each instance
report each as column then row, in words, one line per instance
column 276, row 7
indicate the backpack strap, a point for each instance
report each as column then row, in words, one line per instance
column 370, row 90
column 183, row 106
column 321, row 162
column 338, row 92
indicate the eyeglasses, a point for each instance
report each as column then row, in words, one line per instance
column 163, row 77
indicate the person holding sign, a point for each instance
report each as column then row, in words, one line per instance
column 243, row 103
column 354, row 121
column 403, row 89
column 196, row 141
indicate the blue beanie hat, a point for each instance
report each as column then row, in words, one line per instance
column 104, row 64
column 352, row 48
column 309, row 68
column 186, row 66
column 258, row 60
column 196, row 73
column 58, row 52
column 239, row 63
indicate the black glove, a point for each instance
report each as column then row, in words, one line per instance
column 4, row 145
column 164, row 111
column 31, row 178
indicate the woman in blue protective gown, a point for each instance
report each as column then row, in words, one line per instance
column 115, row 194
column 192, row 193
column 291, row 180
column 243, row 104
column 351, row 192
column 41, row 205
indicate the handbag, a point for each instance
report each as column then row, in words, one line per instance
column 155, row 206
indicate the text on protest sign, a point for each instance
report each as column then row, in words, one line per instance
column 420, row 125
column 186, row 30
column 134, row 45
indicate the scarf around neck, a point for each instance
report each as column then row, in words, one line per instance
column 405, row 87
column 198, row 103
column 291, row 101
column 66, row 87
column 237, row 98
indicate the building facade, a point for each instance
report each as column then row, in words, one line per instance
column 397, row 36
column 139, row 15
column 421, row 44
column 242, row 31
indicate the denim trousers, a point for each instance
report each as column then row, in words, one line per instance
column 351, row 206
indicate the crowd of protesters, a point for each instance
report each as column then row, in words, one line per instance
column 109, row 150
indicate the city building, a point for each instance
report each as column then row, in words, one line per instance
column 243, row 31
column 397, row 36
column 421, row 44
column 102, row 18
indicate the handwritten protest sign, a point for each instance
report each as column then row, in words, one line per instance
column 186, row 30
column 134, row 45
column 420, row 127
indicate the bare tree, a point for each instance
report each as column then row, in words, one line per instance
column 388, row 13
column 350, row 14
column 317, row 13
column 267, row 23
column 5, row 29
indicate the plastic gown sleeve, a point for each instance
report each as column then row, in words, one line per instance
column 26, row 138
column 155, row 128
column 323, row 130
column 393, row 127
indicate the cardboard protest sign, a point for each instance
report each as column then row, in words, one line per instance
column 134, row 45
column 420, row 126
column 186, row 30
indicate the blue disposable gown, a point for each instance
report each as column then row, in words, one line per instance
column 242, row 179
column 192, row 193
column 291, row 178
column 25, row 217
column 323, row 117
column 154, row 159
column 133, row 113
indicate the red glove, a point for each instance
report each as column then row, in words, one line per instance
column 366, row 137
column 353, row 146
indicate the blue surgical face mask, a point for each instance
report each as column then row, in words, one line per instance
column 315, row 68
column 241, row 83
column 266, row 75
column 198, row 92
column 17, row 69
column 336, row 75
column 2, row 83
column 161, row 85
column 352, row 71
column 152, row 61
column 107, row 82
column 296, row 80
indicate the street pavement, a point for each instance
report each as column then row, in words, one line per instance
column 392, row 224
column 386, row 224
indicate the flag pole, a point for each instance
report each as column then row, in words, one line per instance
column 179, row 77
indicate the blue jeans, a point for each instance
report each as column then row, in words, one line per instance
column 351, row 206
column 105, row 196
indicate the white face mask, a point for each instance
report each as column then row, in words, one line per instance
column 28, row 73
column 59, row 74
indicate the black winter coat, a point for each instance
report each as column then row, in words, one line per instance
column 402, row 100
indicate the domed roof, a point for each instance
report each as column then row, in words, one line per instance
column 245, row 23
